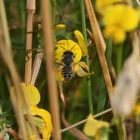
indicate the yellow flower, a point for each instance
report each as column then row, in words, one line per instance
column 123, row 16
column 68, row 54
column 45, row 128
column 101, row 5
column 93, row 126
column 67, row 45
column 41, row 117
column 118, row 20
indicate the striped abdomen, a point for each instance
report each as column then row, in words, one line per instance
column 67, row 72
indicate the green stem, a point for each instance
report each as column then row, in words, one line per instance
column 53, row 3
column 87, row 60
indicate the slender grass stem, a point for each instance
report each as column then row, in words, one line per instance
column 90, row 99
column 5, row 54
column 83, row 121
column 52, row 86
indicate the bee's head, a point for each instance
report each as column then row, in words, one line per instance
column 67, row 57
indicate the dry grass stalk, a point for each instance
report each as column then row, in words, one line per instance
column 100, row 45
column 28, row 60
column 12, row 75
column 53, row 94
column 6, row 56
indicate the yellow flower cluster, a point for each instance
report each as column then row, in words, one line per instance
column 118, row 18
column 41, row 118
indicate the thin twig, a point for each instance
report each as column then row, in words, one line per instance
column 83, row 121
column 30, row 14
column 52, row 86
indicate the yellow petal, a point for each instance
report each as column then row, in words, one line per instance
column 44, row 133
column 130, row 19
column 101, row 5
column 32, row 137
column 67, row 45
column 74, row 47
column 45, row 115
column 116, row 33
column 31, row 94
column 82, row 69
column 108, row 15
column 125, row 17
column 42, row 127
column 92, row 126
column 81, row 42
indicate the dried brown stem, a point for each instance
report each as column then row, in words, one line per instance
column 12, row 75
column 28, row 60
column 100, row 45
column 53, row 94
column 5, row 54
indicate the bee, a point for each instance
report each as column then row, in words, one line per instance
column 67, row 68
column 68, row 55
